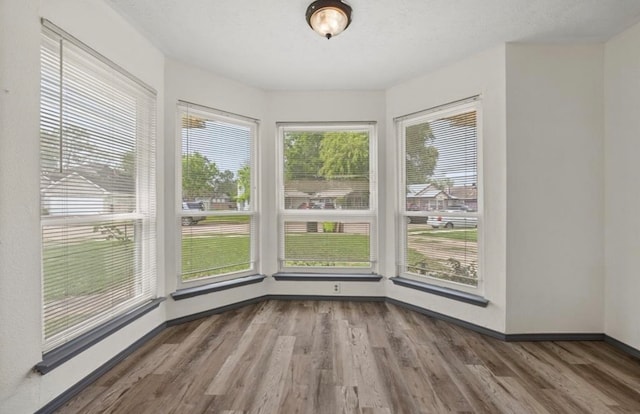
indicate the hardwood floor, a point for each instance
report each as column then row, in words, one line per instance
column 351, row 357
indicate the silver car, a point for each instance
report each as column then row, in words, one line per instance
column 440, row 221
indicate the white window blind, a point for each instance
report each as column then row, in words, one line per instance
column 98, row 206
column 327, row 197
column 440, row 193
column 218, row 208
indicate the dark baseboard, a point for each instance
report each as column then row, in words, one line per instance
column 63, row 398
column 321, row 297
column 533, row 337
column 214, row 311
column 450, row 319
column 627, row 349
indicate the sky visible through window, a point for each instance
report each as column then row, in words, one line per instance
column 225, row 144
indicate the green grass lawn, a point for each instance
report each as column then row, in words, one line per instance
column 327, row 249
column 85, row 268
column 239, row 219
column 465, row 235
column 214, row 255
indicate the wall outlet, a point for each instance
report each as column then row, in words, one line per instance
column 336, row 288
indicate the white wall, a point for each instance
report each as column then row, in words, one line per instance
column 555, row 198
column 622, row 223
column 482, row 74
column 19, row 191
column 21, row 390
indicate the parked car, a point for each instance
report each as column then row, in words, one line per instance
column 416, row 219
column 319, row 205
column 452, row 222
column 195, row 208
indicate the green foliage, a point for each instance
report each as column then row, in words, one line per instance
column 244, row 184
column 326, row 155
column 225, row 183
column 198, row 176
column 344, row 155
column 329, row 227
column 302, row 155
column 421, row 158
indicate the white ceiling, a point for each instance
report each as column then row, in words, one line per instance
column 268, row 44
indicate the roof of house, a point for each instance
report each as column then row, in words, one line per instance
column 109, row 179
column 464, row 192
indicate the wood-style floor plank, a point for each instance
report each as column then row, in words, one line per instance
column 308, row 357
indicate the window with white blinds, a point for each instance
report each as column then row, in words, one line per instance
column 327, row 197
column 441, row 206
column 97, row 191
column 217, row 213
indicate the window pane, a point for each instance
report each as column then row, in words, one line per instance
column 97, row 153
column 216, row 163
column 217, row 168
column 326, row 244
column 89, row 271
column 449, row 254
column 326, row 170
column 441, row 195
column 441, row 164
column 216, row 245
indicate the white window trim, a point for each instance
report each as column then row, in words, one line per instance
column 369, row 216
column 401, row 123
column 254, row 256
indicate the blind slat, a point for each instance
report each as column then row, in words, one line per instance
column 217, row 215
column 441, row 183
column 97, row 190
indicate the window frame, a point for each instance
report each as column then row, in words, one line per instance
column 144, row 218
column 369, row 215
column 253, row 212
column 402, row 216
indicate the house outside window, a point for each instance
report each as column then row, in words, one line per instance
column 98, row 198
column 441, row 208
column 217, row 212
column 327, row 197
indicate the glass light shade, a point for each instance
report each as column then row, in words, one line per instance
column 329, row 21
column 328, row 17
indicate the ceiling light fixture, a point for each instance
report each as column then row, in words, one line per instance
column 328, row 17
